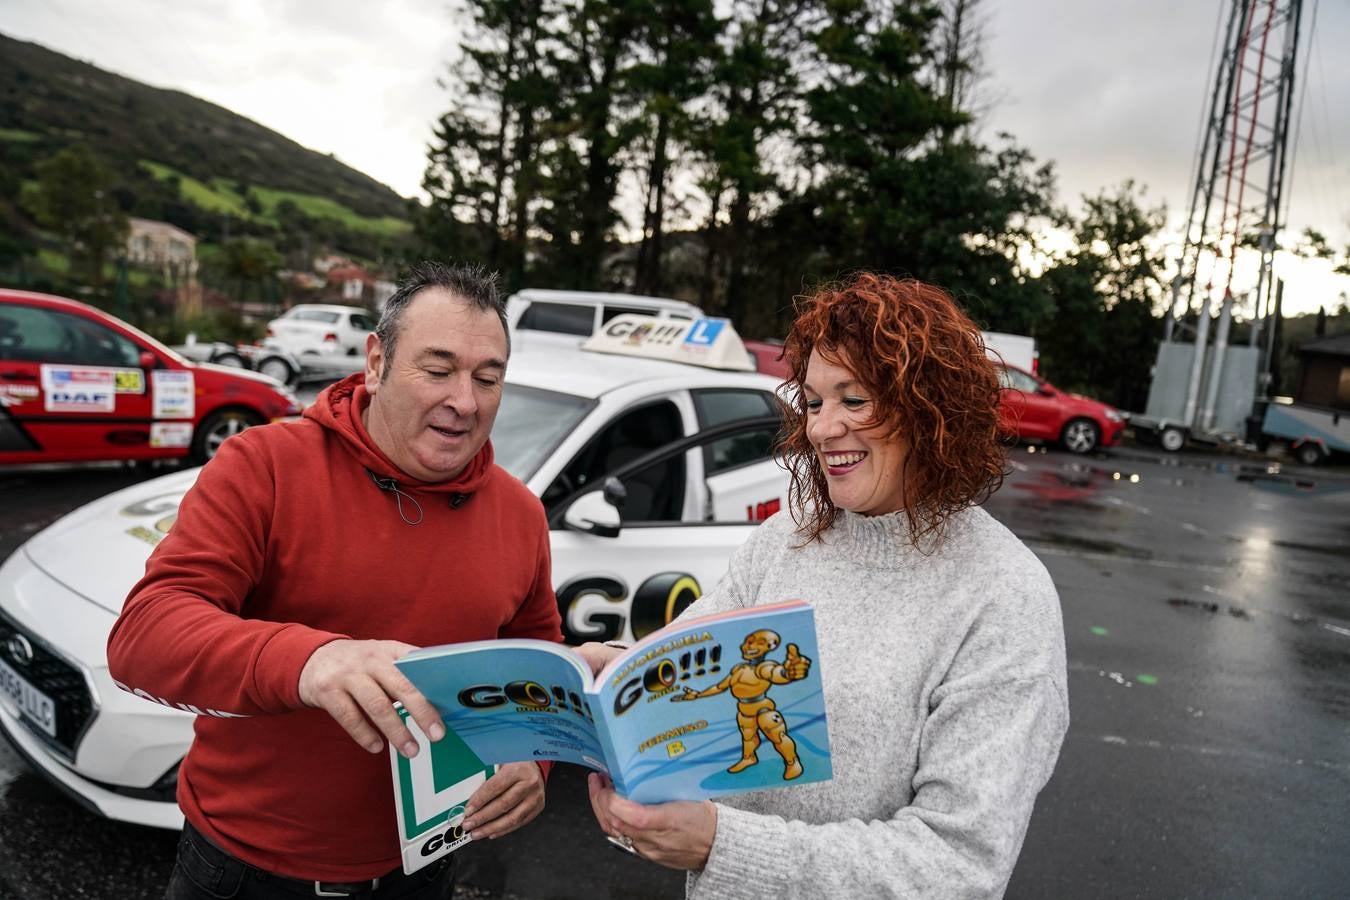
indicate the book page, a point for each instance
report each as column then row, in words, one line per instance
column 511, row 700
column 724, row 704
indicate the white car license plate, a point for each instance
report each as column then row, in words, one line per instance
column 34, row 705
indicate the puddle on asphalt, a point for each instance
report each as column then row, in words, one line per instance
column 1093, row 545
column 1207, row 606
column 1268, row 478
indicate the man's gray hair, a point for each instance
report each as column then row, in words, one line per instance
column 470, row 282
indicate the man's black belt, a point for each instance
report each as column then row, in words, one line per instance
column 217, row 857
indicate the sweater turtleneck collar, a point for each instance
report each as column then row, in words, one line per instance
column 884, row 542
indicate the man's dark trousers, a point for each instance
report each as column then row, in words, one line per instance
column 206, row 872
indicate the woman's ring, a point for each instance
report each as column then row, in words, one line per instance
column 623, row 842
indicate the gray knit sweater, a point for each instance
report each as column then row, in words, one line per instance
column 945, row 690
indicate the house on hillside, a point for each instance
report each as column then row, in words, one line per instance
column 354, row 286
column 160, row 245
column 325, row 264
column 171, row 250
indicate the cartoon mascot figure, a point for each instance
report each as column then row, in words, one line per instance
column 749, row 683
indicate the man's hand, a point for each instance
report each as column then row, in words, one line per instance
column 689, row 694
column 508, row 800
column 356, row 683
column 796, row 665
column 677, row 835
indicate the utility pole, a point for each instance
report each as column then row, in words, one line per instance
column 1236, row 201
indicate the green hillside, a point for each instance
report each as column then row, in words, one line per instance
column 221, row 162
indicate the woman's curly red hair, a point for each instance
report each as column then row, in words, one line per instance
column 923, row 363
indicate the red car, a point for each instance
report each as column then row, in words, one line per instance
column 767, row 356
column 77, row 384
column 1034, row 409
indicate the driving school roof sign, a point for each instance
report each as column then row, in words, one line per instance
column 712, row 343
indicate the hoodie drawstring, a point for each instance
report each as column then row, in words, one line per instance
column 390, row 485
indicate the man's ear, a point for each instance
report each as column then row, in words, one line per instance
column 374, row 363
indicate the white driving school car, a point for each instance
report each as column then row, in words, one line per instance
column 651, row 473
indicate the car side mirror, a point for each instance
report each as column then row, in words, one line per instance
column 1045, row 391
column 595, row 513
column 148, row 360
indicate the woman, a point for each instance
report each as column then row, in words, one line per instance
column 941, row 644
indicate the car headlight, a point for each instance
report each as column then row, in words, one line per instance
column 1115, row 415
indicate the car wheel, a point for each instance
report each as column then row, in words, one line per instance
column 233, row 360
column 1308, row 453
column 278, row 368
column 215, row 428
column 1081, row 436
column 1172, row 439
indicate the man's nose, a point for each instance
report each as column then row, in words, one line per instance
column 460, row 397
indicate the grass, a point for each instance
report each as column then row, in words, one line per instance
column 208, row 197
column 221, row 196
column 53, row 261
column 19, row 136
column 323, row 208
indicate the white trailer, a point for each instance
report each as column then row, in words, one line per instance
column 1016, row 350
column 1313, row 432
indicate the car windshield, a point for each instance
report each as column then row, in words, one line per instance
column 530, row 425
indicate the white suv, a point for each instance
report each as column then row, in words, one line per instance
column 316, row 328
column 533, row 314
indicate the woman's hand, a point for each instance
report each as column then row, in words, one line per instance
column 677, row 835
column 597, row 655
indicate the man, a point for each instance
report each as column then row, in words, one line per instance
column 306, row 559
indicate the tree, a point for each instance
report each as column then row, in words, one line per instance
column 483, row 167
column 247, row 268
column 898, row 190
column 74, row 199
column 594, row 122
column 678, row 43
column 1106, row 292
column 755, row 100
column 960, row 56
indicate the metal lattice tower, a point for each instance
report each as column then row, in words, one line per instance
column 1237, row 198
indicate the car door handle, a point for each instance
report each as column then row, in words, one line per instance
column 19, row 376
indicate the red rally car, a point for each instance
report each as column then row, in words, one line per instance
column 77, row 384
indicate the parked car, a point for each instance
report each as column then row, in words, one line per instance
column 687, row 447
column 272, row 361
column 318, row 328
column 1032, row 408
column 77, row 384
column 768, row 358
column 536, row 312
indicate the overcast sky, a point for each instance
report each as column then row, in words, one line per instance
column 1107, row 90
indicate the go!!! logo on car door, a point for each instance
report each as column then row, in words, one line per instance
column 656, row 603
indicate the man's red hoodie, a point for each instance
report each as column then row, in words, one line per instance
column 284, row 544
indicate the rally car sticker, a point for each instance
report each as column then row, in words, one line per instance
column 174, row 394
column 82, row 390
column 129, row 381
column 171, row 434
column 15, row 394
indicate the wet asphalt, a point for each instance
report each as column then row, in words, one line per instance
column 1207, row 612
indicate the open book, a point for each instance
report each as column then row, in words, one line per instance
column 708, row 706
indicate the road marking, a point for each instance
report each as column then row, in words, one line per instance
column 1117, row 501
column 1041, row 549
column 1203, row 750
